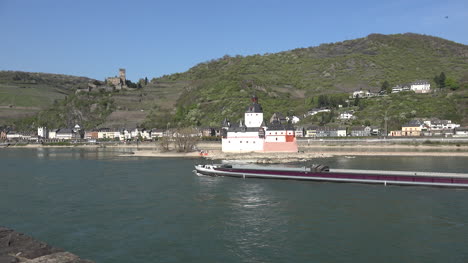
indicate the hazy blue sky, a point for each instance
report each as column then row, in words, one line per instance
column 153, row 38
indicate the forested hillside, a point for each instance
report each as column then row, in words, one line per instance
column 290, row 82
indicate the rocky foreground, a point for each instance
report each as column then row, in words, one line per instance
column 18, row 247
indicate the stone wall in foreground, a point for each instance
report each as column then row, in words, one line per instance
column 18, row 247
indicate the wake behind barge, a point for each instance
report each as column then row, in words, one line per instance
column 323, row 173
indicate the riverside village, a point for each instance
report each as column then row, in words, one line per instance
column 254, row 133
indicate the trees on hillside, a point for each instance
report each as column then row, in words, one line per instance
column 356, row 100
column 443, row 81
column 440, row 80
column 386, row 87
column 331, row 100
column 451, row 84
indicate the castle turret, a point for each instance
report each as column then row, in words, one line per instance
column 254, row 113
column 122, row 76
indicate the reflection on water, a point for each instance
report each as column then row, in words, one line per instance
column 115, row 209
column 80, row 153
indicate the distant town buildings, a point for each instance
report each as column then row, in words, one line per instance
column 279, row 128
column 420, row 86
column 429, row 127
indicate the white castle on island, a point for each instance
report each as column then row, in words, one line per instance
column 254, row 136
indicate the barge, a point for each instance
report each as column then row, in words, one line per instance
column 324, row 173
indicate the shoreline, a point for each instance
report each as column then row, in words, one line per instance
column 306, row 152
column 217, row 146
column 287, row 157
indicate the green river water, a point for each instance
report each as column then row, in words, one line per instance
column 129, row 209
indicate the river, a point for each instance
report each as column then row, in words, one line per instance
column 131, row 209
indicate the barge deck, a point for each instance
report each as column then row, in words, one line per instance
column 323, row 173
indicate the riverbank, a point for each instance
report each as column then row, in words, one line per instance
column 213, row 146
column 254, row 157
column 212, row 151
column 18, row 247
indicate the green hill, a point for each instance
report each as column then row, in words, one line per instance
column 24, row 94
column 290, row 82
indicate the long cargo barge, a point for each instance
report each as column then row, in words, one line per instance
column 323, row 173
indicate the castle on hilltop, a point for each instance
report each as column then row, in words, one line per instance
column 118, row 82
column 110, row 84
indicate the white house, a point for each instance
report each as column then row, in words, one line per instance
column 461, row 132
column 341, row 132
column 53, row 134
column 127, row 134
column 399, row 88
column 437, row 124
column 11, row 135
column 30, row 136
column 312, row 112
column 64, row 134
column 293, row 119
column 146, row 134
column 42, row 132
column 112, row 134
column 77, row 128
column 420, row 87
column 361, row 131
column 135, row 132
column 156, row 133
column 362, row 94
column 347, row 115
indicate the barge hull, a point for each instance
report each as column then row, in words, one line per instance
column 456, row 180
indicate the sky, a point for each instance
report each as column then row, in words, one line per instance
column 94, row 38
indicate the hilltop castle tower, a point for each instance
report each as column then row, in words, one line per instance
column 118, row 82
column 122, row 76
